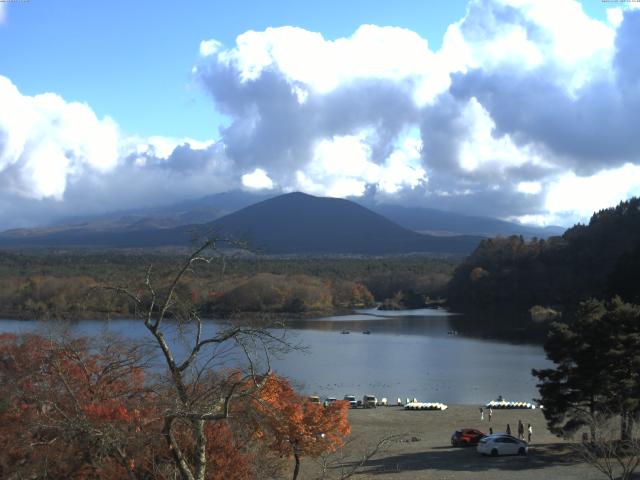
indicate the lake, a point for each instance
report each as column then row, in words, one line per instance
column 410, row 353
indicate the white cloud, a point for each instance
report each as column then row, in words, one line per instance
column 483, row 149
column 3, row 13
column 530, row 34
column 343, row 167
column 614, row 16
column 306, row 58
column 531, row 188
column 582, row 196
column 507, row 110
column 496, row 105
column 46, row 140
column 209, row 47
column 160, row 148
column 58, row 156
column 257, row 180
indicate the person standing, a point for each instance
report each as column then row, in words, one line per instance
column 490, row 431
column 529, row 432
column 520, row 430
column 481, row 414
column 490, row 413
column 508, row 429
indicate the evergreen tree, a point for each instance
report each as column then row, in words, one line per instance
column 597, row 368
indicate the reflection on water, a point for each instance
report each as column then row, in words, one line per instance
column 407, row 354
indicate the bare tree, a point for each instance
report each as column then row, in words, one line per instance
column 352, row 457
column 200, row 391
column 615, row 458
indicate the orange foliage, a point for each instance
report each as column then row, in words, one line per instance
column 78, row 412
column 298, row 426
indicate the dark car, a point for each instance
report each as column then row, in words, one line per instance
column 466, row 436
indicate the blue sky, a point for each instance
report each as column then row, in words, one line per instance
column 517, row 109
column 132, row 59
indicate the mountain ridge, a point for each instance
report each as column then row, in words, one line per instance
column 212, row 207
column 293, row 223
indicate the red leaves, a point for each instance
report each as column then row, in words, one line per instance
column 67, row 400
column 298, row 425
column 81, row 411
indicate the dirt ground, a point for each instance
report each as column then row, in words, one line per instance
column 427, row 452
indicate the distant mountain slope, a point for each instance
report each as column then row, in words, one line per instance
column 440, row 222
column 199, row 210
column 207, row 209
column 294, row 223
column 298, row 223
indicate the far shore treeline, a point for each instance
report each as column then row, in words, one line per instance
column 48, row 285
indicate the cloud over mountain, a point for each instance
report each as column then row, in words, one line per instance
column 527, row 110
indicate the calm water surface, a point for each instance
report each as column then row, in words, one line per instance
column 407, row 354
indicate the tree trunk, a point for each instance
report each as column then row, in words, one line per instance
column 592, row 423
column 296, row 470
column 626, row 425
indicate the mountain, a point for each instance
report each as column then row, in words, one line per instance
column 293, row 223
column 199, row 210
column 440, row 222
column 210, row 208
column 207, row 209
column 301, row 223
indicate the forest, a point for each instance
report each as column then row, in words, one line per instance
column 597, row 260
column 68, row 285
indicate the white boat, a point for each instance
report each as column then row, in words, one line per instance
column 425, row 406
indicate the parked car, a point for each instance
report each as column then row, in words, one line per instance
column 314, row 399
column 329, row 400
column 353, row 403
column 466, row 437
column 502, row 444
column 369, row 401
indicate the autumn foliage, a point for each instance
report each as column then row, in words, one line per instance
column 74, row 409
column 298, row 427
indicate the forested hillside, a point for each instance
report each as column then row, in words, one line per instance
column 598, row 260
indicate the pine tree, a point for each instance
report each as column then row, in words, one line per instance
column 597, row 368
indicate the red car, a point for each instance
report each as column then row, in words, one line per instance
column 466, row 436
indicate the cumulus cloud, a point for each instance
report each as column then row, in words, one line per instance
column 257, row 180
column 525, row 106
column 326, row 117
column 45, row 140
column 57, row 158
column 209, row 47
column 561, row 105
column 513, row 100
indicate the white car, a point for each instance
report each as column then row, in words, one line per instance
column 353, row 403
column 329, row 400
column 369, row 401
column 501, row 444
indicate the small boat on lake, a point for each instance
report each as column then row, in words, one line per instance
column 345, row 332
column 366, row 332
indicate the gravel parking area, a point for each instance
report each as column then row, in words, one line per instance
column 425, row 451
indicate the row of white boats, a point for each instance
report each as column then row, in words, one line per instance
column 425, row 406
column 497, row 404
